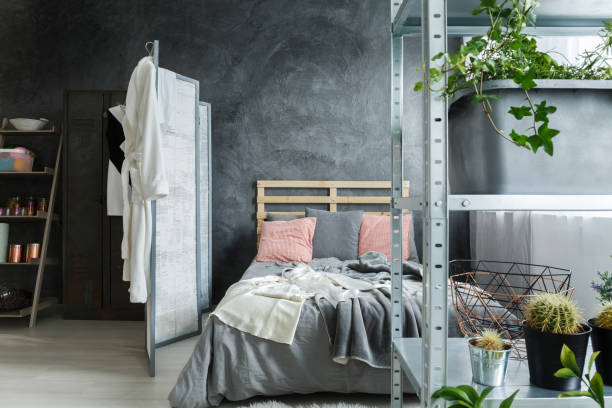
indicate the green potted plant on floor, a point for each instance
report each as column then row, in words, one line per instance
column 553, row 320
column 489, row 358
column 602, row 327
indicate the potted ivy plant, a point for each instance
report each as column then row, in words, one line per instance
column 552, row 321
column 489, row 358
column 602, row 327
column 507, row 97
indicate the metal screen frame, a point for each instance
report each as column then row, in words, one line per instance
column 151, row 342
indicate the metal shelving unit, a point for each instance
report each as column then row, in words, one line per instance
column 48, row 218
column 434, row 21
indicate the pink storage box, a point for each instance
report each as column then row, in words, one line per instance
column 18, row 159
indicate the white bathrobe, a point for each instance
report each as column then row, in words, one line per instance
column 143, row 165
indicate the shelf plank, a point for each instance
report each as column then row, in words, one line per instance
column 26, row 311
column 46, row 172
column 42, row 216
column 15, row 132
column 554, row 17
column 33, row 262
column 517, row 202
column 460, row 372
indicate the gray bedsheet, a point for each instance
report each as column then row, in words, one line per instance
column 231, row 364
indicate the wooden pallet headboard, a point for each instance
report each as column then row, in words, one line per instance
column 332, row 198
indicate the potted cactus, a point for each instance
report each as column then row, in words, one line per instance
column 489, row 357
column 552, row 321
column 602, row 341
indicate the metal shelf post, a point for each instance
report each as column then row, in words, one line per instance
column 396, row 214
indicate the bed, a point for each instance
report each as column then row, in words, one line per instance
column 234, row 365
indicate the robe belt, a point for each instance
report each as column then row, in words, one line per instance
column 131, row 161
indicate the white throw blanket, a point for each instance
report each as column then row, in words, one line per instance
column 269, row 307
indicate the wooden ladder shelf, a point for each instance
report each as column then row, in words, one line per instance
column 48, row 218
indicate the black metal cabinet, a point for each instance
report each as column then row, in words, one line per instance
column 93, row 285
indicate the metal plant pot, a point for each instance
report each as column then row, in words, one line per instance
column 488, row 366
column 481, row 162
column 602, row 342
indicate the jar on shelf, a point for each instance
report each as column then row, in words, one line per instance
column 30, row 206
column 13, row 202
column 43, row 204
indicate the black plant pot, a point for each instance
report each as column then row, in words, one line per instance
column 544, row 357
column 602, row 342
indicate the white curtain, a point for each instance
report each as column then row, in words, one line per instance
column 571, row 240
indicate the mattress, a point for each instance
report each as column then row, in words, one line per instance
column 229, row 364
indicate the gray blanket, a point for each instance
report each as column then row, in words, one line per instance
column 229, row 364
column 360, row 328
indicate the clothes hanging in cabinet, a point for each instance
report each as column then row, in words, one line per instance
column 116, row 149
column 143, row 165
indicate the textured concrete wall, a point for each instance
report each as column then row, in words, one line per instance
column 299, row 90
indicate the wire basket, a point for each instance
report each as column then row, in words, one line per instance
column 491, row 295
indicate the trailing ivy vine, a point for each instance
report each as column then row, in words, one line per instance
column 506, row 52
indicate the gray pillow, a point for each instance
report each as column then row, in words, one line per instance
column 282, row 217
column 336, row 234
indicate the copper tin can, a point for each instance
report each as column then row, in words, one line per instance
column 14, row 253
column 32, row 251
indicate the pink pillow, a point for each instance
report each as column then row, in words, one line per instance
column 286, row 241
column 375, row 235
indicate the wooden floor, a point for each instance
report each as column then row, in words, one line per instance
column 76, row 363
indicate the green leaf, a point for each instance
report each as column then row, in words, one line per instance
column 574, row 394
column 542, row 112
column 592, row 359
column 520, row 112
column 535, row 142
column 418, row 86
column 597, row 387
column 437, row 56
column 568, row 360
column 483, row 396
column 470, row 392
column 479, row 98
column 508, row 401
column 565, row 373
column 451, row 394
column 488, row 3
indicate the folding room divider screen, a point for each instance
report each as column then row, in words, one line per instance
column 180, row 255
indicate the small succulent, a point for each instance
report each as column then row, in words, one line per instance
column 604, row 318
column 490, row 339
column 553, row 313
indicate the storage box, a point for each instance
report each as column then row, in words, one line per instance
column 18, row 159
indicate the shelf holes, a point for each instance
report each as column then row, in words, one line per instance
column 438, row 245
column 437, row 307
column 438, row 328
column 438, row 266
column 438, row 286
column 438, row 140
column 437, row 15
column 438, row 119
column 437, row 368
column 438, row 224
column 437, row 36
column 438, row 161
column 438, row 183
column 396, row 231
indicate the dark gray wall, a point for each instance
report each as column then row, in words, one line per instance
column 299, row 90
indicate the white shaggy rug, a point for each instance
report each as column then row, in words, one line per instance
column 276, row 404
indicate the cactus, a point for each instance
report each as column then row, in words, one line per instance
column 604, row 318
column 553, row 313
column 490, row 339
